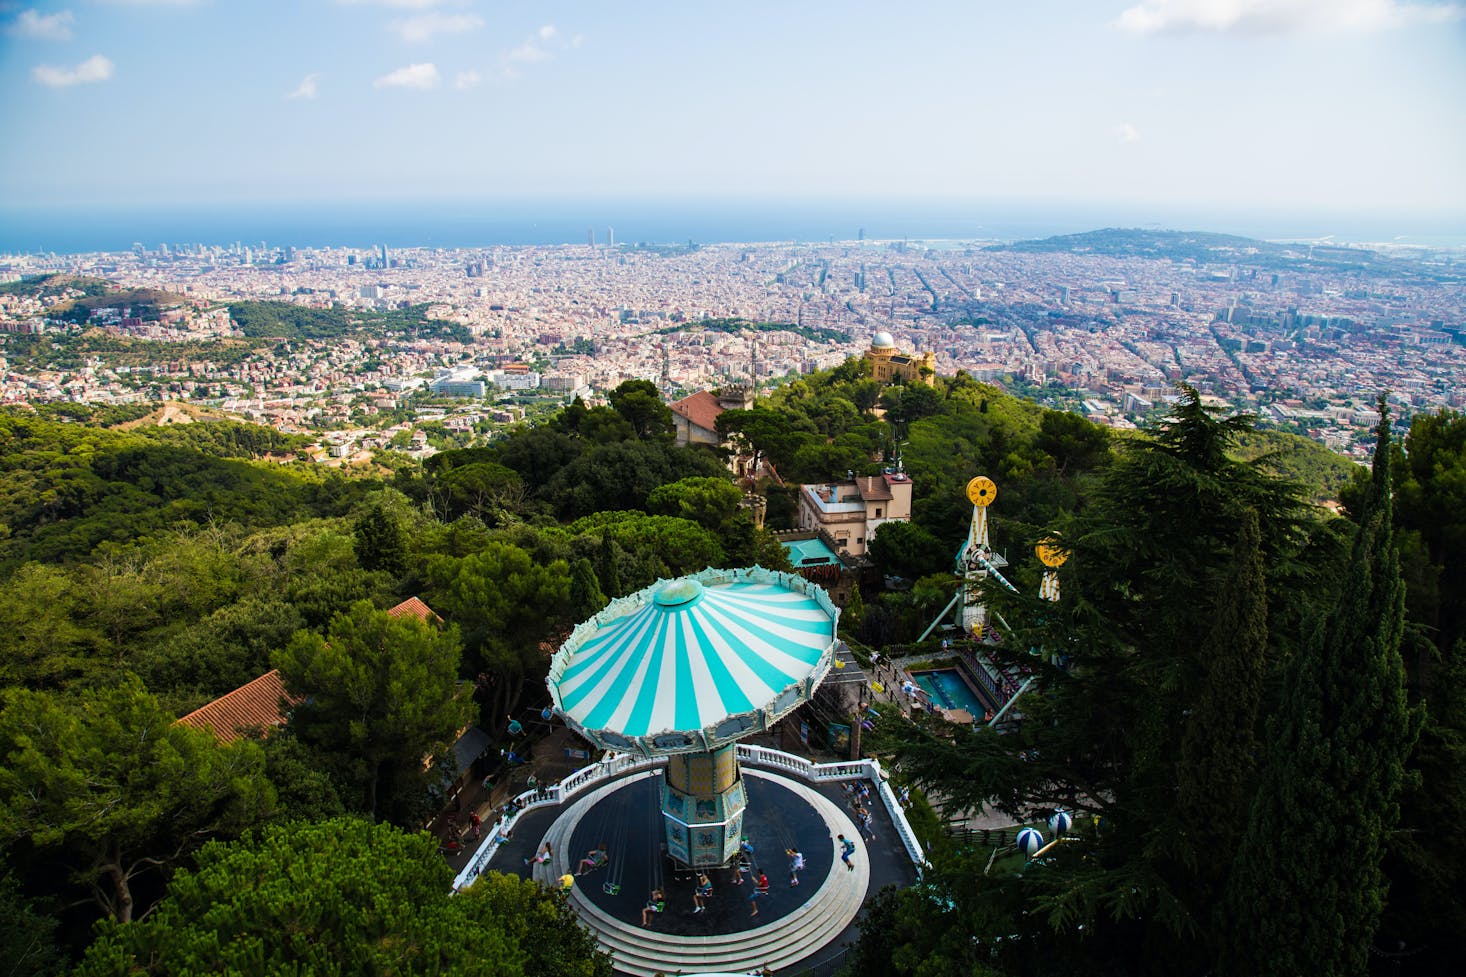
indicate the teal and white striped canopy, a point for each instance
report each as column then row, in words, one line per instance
column 695, row 662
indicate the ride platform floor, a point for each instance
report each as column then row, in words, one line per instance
column 628, row 821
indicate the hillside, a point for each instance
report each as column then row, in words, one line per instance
column 1144, row 243
column 144, row 303
column 35, row 286
column 1322, row 472
column 282, row 320
column 1206, row 248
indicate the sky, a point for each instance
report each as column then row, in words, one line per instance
column 1314, row 106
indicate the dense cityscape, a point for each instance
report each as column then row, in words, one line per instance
column 1102, row 324
column 822, row 489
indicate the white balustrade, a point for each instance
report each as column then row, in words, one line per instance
column 615, row 764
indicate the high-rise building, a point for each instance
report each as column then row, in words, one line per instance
column 382, row 254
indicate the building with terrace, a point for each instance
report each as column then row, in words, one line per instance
column 852, row 511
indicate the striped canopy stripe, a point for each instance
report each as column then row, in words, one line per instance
column 689, row 659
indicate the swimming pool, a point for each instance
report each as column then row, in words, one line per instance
column 950, row 690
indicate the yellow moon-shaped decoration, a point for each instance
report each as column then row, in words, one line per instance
column 1051, row 552
column 981, row 491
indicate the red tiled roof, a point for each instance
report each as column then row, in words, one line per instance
column 702, row 409
column 255, row 705
column 873, row 489
column 412, row 607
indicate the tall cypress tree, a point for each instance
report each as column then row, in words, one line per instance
column 1307, row 889
column 1217, row 775
column 586, row 597
column 606, row 568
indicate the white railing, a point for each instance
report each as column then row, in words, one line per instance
column 614, row 765
column 864, row 769
column 610, row 766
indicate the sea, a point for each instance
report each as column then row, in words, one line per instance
column 661, row 221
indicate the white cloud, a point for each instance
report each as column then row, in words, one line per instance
column 424, row 26
column 543, row 45
column 421, row 77
column 528, row 53
column 308, row 86
column 1256, row 17
column 95, row 68
column 1126, row 132
column 465, row 80
column 51, row 27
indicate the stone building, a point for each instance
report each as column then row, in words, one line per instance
column 887, row 362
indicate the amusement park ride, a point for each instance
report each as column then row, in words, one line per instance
column 977, row 562
column 668, row 680
column 685, row 669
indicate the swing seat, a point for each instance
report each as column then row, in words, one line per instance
column 612, row 888
column 877, row 687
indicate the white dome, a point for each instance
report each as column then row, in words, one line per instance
column 882, row 340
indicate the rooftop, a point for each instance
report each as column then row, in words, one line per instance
column 702, row 409
column 412, row 607
column 809, row 552
column 255, row 705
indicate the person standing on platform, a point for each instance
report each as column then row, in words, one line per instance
column 847, row 849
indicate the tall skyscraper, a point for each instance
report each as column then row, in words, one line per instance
column 610, row 237
column 382, row 254
column 590, row 237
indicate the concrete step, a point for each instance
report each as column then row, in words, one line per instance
column 779, row 943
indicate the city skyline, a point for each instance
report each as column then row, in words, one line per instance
column 1127, row 107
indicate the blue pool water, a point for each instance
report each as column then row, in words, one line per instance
column 950, row 690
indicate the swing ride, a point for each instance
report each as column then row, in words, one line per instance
column 683, row 670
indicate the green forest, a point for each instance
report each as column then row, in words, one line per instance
column 1254, row 709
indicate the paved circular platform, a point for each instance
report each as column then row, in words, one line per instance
column 629, row 823
column 792, row 923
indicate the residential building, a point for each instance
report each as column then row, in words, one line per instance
column 851, row 512
column 696, row 417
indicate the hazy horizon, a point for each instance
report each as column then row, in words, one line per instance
column 1313, row 111
column 550, row 221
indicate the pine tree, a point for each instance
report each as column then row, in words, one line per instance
column 1307, row 889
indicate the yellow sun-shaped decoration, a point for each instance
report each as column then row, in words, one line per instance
column 981, row 491
column 1051, row 552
